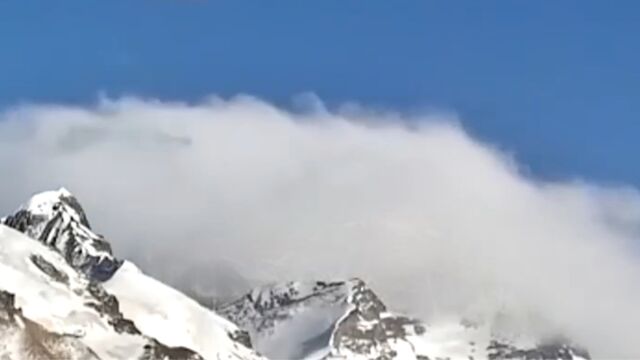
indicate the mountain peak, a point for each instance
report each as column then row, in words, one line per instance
column 311, row 320
column 57, row 219
column 79, row 302
column 347, row 320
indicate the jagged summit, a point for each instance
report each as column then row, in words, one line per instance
column 319, row 320
column 57, row 219
column 48, row 310
column 324, row 320
column 66, row 297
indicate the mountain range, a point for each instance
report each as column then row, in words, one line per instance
column 64, row 294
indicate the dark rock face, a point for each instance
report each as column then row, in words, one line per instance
column 7, row 306
column 263, row 308
column 553, row 350
column 360, row 324
column 154, row 350
column 20, row 221
column 48, row 268
column 242, row 337
column 108, row 306
column 61, row 223
column 73, row 203
column 368, row 328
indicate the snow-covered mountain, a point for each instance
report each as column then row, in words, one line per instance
column 55, row 218
column 64, row 295
column 347, row 320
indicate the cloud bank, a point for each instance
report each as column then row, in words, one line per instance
column 226, row 194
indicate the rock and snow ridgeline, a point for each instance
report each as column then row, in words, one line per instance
column 56, row 219
column 347, row 320
column 66, row 296
column 71, row 286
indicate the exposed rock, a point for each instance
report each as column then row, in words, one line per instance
column 50, row 270
column 23, row 339
column 362, row 327
column 551, row 350
column 71, row 269
column 155, row 350
column 56, row 219
column 107, row 305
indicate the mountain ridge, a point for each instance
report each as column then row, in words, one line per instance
column 120, row 306
column 310, row 320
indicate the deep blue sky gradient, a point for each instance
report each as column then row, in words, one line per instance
column 555, row 82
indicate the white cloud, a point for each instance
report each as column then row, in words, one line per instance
column 432, row 218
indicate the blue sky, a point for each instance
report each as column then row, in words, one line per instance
column 555, row 82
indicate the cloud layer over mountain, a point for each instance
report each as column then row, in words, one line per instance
column 226, row 194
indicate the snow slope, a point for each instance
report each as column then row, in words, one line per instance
column 58, row 300
column 55, row 284
column 173, row 318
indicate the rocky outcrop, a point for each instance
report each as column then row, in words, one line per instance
column 360, row 326
column 546, row 350
column 369, row 329
column 57, row 219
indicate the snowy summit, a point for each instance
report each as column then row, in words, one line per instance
column 64, row 295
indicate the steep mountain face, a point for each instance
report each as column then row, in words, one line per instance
column 52, row 311
column 56, row 219
column 347, row 320
column 65, row 296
